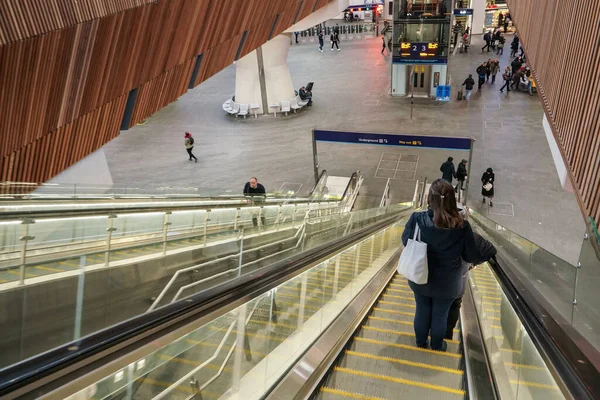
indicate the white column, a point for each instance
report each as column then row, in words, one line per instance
column 277, row 73
column 247, row 81
column 399, row 77
column 478, row 16
column 559, row 162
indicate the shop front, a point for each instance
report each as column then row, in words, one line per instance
column 496, row 13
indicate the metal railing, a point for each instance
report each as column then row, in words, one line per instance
column 299, row 235
column 385, row 198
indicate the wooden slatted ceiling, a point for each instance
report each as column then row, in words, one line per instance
column 21, row 19
column 52, row 85
column 561, row 39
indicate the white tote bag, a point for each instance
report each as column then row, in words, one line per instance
column 413, row 260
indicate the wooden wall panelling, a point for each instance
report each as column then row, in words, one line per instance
column 162, row 90
column 566, row 63
column 43, row 158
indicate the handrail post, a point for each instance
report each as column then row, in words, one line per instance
column 372, row 249
column 236, row 219
column 79, row 301
column 166, row 224
column 356, row 259
column 302, row 301
column 241, row 253
column 206, row 219
column 239, row 348
column 24, row 239
column 109, row 231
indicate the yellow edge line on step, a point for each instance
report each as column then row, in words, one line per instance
column 408, row 347
column 397, row 304
column 399, row 333
column 50, row 269
column 396, row 321
column 525, row 366
column 350, row 395
column 400, row 380
column 405, row 362
column 399, row 297
column 534, row 384
column 394, row 312
column 399, row 290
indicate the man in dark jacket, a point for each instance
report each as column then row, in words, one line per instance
column 461, row 174
column 335, row 40
column 257, row 192
column 469, row 83
column 488, row 41
column 481, row 72
column 448, row 171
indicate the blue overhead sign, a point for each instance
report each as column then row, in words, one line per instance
column 385, row 139
column 463, row 11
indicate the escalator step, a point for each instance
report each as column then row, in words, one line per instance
column 408, row 352
column 400, row 337
column 399, row 368
column 379, row 385
column 328, row 393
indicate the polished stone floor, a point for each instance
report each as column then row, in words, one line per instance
column 351, row 93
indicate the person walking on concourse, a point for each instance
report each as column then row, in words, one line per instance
column 481, row 72
column 448, row 171
column 189, row 145
column 335, row 40
column 488, row 41
column 321, row 40
column 487, row 185
column 507, row 77
column 450, row 240
column 469, row 83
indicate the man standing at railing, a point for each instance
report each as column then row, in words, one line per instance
column 252, row 189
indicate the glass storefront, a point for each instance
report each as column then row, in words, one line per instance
column 422, row 9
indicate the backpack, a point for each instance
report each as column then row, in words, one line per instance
column 191, row 140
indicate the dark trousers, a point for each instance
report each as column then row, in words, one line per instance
column 191, row 154
column 334, row 44
column 255, row 221
column 481, row 82
column 431, row 318
column 494, row 78
column 506, row 85
column 320, row 45
column 500, row 50
column 453, row 316
column 460, row 185
column 488, row 45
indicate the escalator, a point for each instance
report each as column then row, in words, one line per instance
column 331, row 322
column 382, row 360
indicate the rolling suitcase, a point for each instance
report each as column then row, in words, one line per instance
column 460, row 95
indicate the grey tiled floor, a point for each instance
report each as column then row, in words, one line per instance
column 508, row 130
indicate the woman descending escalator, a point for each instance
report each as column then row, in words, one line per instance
column 450, row 240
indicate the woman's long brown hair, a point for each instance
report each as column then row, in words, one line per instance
column 442, row 201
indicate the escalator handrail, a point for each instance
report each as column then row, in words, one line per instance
column 233, row 202
column 68, row 362
column 321, row 175
column 557, row 347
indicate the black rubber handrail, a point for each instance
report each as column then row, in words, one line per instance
column 578, row 374
column 25, row 377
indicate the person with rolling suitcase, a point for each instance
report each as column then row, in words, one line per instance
column 469, row 83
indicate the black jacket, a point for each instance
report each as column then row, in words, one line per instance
column 249, row 191
column 461, row 172
column 469, row 83
column 446, row 250
column 481, row 71
column 448, row 171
